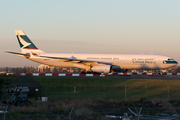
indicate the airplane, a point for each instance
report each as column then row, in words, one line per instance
column 92, row 62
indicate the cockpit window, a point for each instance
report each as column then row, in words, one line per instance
column 170, row 59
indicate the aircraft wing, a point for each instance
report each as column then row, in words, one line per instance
column 25, row 55
column 80, row 61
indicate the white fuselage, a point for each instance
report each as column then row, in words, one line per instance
column 124, row 61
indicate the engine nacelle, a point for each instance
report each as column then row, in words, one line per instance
column 102, row 68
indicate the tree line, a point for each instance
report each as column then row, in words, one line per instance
column 45, row 69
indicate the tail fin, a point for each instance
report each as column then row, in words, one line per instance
column 25, row 43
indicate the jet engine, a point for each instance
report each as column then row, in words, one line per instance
column 102, row 68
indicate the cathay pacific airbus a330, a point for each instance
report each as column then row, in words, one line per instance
column 91, row 62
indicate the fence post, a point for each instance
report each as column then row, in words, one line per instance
column 65, row 92
column 46, row 87
column 146, row 91
column 168, row 91
column 104, row 90
column 85, row 91
column 125, row 92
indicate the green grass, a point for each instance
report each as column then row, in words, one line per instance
column 58, row 88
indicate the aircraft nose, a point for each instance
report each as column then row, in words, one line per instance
column 175, row 62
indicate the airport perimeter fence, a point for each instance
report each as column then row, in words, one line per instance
column 126, row 92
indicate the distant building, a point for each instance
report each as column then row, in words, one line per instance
column 45, row 68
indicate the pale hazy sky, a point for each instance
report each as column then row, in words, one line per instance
column 97, row 26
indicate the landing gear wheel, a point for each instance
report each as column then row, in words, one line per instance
column 126, row 70
column 89, row 72
column 96, row 73
column 158, row 74
column 83, row 72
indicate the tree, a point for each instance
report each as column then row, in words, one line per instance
column 55, row 70
column 178, row 70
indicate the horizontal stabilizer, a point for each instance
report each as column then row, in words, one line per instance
column 26, row 55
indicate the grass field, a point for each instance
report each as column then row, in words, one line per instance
column 108, row 88
column 93, row 98
column 60, row 88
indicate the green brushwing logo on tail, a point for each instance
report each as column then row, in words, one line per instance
column 25, row 42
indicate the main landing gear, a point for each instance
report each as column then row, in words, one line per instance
column 89, row 72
